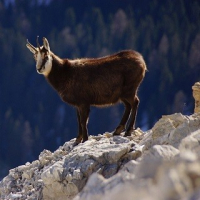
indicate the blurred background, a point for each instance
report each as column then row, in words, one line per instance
column 33, row 118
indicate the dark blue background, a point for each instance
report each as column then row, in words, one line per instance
column 32, row 117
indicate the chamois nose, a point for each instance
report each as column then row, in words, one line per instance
column 39, row 70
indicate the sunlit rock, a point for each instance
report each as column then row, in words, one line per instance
column 196, row 95
column 162, row 163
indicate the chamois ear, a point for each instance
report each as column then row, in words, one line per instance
column 31, row 47
column 46, row 44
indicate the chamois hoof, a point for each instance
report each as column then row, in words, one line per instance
column 75, row 143
column 118, row 130
column 78, row 141
column 128, row 133
column 84, row 140
column 116, row 134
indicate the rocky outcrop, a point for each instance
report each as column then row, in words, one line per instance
column 196, row 95
column 62, row 174
column 162, row 163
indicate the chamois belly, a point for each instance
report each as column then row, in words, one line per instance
column 104, row 95
column 106, row 98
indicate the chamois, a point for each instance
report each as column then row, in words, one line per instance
column 94, row 82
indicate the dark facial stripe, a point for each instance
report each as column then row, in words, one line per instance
column 43, row 63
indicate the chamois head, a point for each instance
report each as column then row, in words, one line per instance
column 42, row 56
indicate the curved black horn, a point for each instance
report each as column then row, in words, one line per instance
column 38, row 45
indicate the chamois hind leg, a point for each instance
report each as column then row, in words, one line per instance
column 124, row 119
column 133, row 115
column 80, row 134
column 84, row 115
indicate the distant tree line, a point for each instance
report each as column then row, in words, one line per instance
column 32, row 117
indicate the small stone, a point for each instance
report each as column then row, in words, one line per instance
column 15, row 196
column 108, row 135
column 77, row 174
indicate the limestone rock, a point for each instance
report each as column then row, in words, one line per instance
column 162, row 163
column 62, row 174
column 153, row 159
column 171, row 129
column 196, row 95
column 167, row 168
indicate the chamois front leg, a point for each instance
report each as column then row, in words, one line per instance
column 131, row 126
column 80, row 135
column 82, row 114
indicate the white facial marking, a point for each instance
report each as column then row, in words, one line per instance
column 42, row 56
column 43, row 63
column 38, row 60
column 48, row 66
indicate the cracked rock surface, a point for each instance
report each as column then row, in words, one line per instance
column 62, row 174
column 162, row 163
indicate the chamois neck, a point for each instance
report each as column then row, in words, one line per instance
column 59, row 72
column 57, row 60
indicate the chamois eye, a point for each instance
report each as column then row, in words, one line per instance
column 46, row 58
